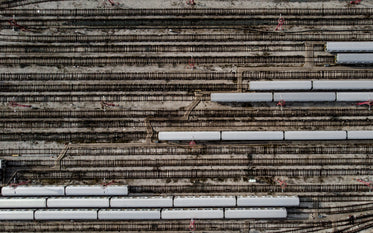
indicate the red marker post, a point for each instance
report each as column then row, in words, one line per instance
column 281, row 22
column 281, row 103
column 192, row 225
column 283, row 184
column 369, row 103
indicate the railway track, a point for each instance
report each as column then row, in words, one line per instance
column 161, row 22
column 128, row 162
column 155, row 47
column 200, row 113
column 127, row 87
column 195, row 75
column 200, row 123
column 329, row 148
column 309, row 35
column 75, row 136
column 156, row 60
column 122, row 173
column 64, row 97
column 119, row 76
column 190, row 12
column 309, row 148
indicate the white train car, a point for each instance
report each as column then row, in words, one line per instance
column 354, row 58
column 177, row 213
column 342, row 85
column 189, row 135
column 315, row 135
column 252, row 135
column 272, row 201
column 96, row 190
column 66, row 214
column 91, row 202
column 204, row 201
column 23, row 203
column 355, row 135
column 129, row 214
column 16, row 215
column 239, row 213
column 280, row 85
column 305, row 96
column 141, row 202
column 342, row 47
column 241, row 97
column 354, row 96
column 47, row 190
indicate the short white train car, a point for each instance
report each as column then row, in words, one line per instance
column 342, row 47
column 252, row 135
column 241, row 97
column 254, row 213
column 315, row 135
column 354, row 58
column 96, row 190
column 65, row 214
column 141, row 202
column 23, row 203
column 205, row 201
column 280, row 85
column 91, row 202
column 178, row 213
column 47, row 190
column 265, row 201
column 129, row 214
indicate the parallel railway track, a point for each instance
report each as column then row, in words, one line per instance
column 122, row 173
column 130, row 162
column 227, row 37
column 200, row 123
column 156, row 60
column 205, row 113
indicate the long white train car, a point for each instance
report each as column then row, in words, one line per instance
column 354, row 58
column 65, row 202
column 96, row 190
column 189, row 135
column 252, row 135
column 47, row 190
column 255, row 213
column 280, row 85
column 204, row 201
column 23, row 203
column 129, row 214
column 354, row 96
column 141, row 202
column 66, row 214
column 342, row 47
column 266, row 201
column 342, row 85
column 18, row 214
column 176, row 213
column 305, row 96
column 315, row 135
column 241, row 97
column 358, row 135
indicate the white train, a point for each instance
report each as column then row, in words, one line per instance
column 149, row 202
column 354, row 58
column 295, row 96
column 349, row 47
column 306, row 85
column 266, row 135
column 62, row 190
column 143, row 214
